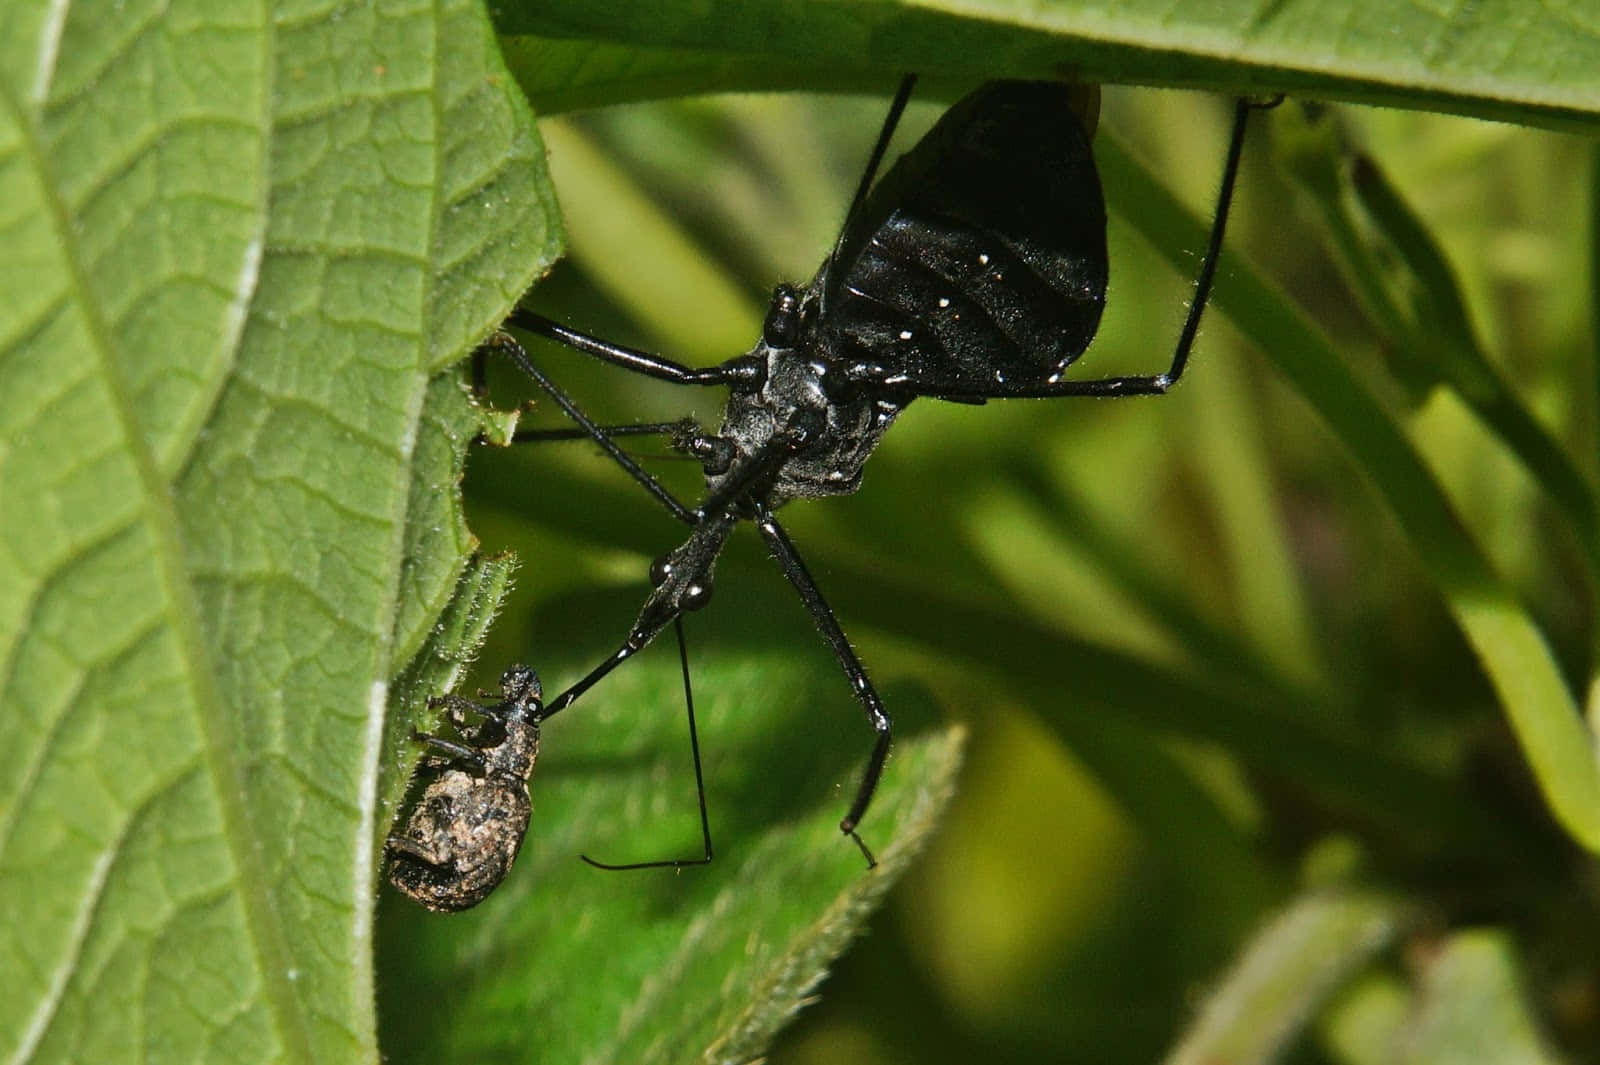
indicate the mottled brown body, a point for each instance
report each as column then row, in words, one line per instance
column 465, row 831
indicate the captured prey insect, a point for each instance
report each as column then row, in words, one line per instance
column 467, row 828
column 975, row 269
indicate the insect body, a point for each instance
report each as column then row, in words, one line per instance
column 975, row 270
column 465, row 831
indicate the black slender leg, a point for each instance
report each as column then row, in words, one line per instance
column 509, row 346
column 590, row 679
column 640, row 362
column 897, row 107
column 459, row 707
column 1159, row 384
column 788, row 557
column 684, row 584
column 638, row 637
column 699, row 779
column 470, row 756
column 529, row 436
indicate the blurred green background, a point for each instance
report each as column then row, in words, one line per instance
column 1204, row 673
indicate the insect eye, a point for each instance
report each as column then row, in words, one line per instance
column 660, row 570
column 782, row 327
column 715, row 455
column 696, row 595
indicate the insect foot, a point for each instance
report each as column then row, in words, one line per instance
column 465, row 831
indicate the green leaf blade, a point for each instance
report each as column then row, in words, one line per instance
column 224, row 260
column 1535, row 61
column 491, row 167
column 98, row 641
column 1291, row 967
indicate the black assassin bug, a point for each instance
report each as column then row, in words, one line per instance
column 974, row 270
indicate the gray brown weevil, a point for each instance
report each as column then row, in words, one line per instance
column 465, row 831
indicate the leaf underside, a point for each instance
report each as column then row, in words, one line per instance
column 239, row 253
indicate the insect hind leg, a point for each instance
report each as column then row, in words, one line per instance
column 1159, row 384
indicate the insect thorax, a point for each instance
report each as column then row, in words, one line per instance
column 512, row 760
column 801, row 390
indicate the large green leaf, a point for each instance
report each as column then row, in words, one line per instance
column 1529, row 62
column 238, row 249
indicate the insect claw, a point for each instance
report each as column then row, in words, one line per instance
column 872, row 863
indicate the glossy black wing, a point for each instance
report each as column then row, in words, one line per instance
column 977, row 266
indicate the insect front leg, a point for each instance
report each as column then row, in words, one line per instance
column 509, row 346
column 682, row 581
column 487, row 732
column 460, row 754
column 671, row 430
column 640, row 362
